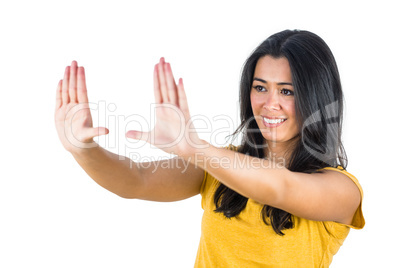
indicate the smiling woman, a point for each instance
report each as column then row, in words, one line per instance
column 257, row 213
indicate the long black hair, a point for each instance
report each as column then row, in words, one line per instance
column 319, row 111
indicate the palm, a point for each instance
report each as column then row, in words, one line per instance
column 170, row 126
column 173, row 131
column 72, row 116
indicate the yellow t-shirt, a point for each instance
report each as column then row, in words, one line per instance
column 246, row 241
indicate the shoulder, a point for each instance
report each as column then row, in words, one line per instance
column 344, row 180
column 349, row 185
column 341, row 174
column 330, row 194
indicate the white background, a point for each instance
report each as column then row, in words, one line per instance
column 54, row 215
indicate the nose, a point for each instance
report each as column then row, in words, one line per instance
column 272, row 101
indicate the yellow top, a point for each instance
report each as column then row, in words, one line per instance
column 246, row 241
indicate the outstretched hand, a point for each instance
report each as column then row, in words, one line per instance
column 173, row 131
column 72, row 116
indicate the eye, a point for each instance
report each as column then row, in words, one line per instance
column 259, row 88
column 287, row 92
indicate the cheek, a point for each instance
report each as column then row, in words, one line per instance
column 290, row 109
column 256, row 102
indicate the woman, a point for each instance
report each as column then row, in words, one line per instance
column 282, row 198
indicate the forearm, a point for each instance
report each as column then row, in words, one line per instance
column 259, row 179
column 115, row 173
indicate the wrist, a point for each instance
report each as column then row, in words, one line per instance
column 84, row 151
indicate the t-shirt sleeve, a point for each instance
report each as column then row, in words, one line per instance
column 203, row 189
column 207, row 190
column 210, row 184
column 358, row 221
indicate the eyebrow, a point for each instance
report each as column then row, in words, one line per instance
column 263, row 81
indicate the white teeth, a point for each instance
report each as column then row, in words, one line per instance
column 273, row 121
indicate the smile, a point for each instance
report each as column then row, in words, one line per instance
column 273, row 122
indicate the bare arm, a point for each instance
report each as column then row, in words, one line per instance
column 327, row 196
column 166, row 180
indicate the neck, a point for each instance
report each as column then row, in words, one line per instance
column 280, row 152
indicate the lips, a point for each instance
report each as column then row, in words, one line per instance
column 273, row 122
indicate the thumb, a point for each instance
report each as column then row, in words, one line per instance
column 138, row 135
column 97, row 131
column 85, row 139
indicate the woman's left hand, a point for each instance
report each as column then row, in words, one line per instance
column 173, row 132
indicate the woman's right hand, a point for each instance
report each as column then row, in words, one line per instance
column 72, row 116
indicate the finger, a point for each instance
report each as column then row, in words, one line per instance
column 183, row 104
column 72, row 83
column 87, row 135
column 157, row 91
column 139, row 135
column 162, row 81
column 171, row 85
column 82, row 95
column 58, row 95
column 64, row 91
column 95, row 132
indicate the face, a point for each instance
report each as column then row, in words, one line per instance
column 272, row 100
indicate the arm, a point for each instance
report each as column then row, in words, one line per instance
column 178, row 180
column 165, row 180
column 326, row 196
